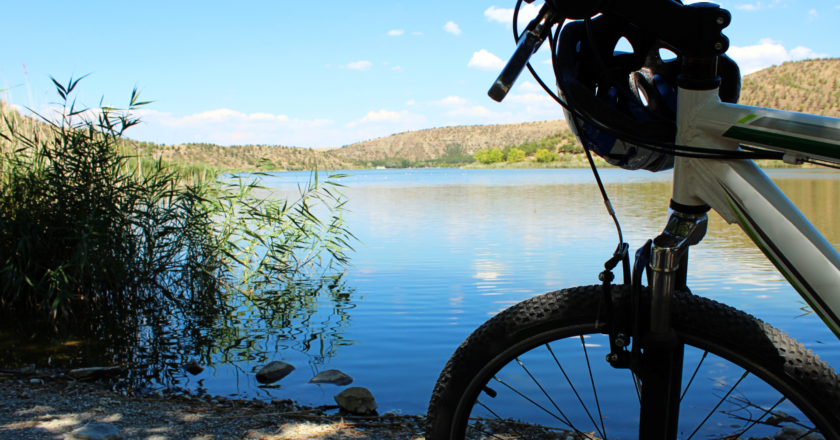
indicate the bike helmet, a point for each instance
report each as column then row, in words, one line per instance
column 650, row 78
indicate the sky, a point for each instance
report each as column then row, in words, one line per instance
column 327, row 73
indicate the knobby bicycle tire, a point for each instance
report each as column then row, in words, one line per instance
column 768, row 354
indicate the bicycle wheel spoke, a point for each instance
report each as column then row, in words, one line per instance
column 762, row 416
column 810, row 431
column 499, row 418
column 695, row 374
column 568, row 422
column 594, row 391
column 718, row 404
column 529, row 399
column 574, row 389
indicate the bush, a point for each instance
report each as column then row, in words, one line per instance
column 515, row 155
column 488, row 156
column 83, row 224
column 545, row 156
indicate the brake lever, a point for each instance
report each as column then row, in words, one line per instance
column 529, row 43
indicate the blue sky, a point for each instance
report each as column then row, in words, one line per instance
column 327, row 73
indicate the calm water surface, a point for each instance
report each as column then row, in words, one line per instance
column 444, row 250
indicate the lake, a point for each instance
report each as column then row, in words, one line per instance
column 441, row 251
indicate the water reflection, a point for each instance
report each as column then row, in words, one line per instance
column 442, row 251
column 309, row 317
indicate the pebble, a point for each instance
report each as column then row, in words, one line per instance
column 220, row 399
column 193, row 367
column 94, row 372
column 357, row 400
column 95, row 431
column 791, row 432
column 36, row 381
column 274, row 371
column 158, row 394
column 335, row 377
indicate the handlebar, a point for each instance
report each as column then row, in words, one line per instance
column 694, row 30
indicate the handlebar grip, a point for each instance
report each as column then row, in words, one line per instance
column 528, row 44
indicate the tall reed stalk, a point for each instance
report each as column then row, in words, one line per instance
column 84, row 224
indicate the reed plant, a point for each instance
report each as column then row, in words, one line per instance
column 85, row 224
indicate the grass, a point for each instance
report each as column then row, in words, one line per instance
column 84, row 224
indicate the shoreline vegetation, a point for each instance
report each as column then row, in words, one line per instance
column 86, row 227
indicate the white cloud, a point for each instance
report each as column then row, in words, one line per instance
column 452, row 28
column 530, row 99
column 388, row 117
column 397, row 69
column 767, row 53
column 396, row 32
column 358, row 65
column 803, row 53
column 451, row 101
column 416, row 33
column 410, row 103
column 812, row 14
column 486, row 61
column 505, row 16
column 528, row 86
column 228, row 127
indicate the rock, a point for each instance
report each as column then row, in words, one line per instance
column 220, row 399
column 274, row 371
column 36, row 381
column 193, row 367
column 94, row 372
column 29, row 369
column 186, row 397
column 356, row 400
column 778, row 418
column 158, row 394
column 95, row 431
column 792, row 432
column 332, row 376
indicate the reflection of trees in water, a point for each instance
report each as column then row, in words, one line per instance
column 155, row 339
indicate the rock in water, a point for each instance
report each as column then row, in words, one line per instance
column 94, row 372
column 356, row 400
column 274, row 371
column 193, row 367
column 332, row 376
column 792, row 432
column 95, row 431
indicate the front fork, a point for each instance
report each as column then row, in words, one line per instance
column 660, row 352
column 656, row 358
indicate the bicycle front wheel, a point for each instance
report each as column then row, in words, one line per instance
column 538, row 371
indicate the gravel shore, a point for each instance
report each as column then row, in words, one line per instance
column 50, row 407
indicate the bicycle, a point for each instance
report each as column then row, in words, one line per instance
column 516, row 376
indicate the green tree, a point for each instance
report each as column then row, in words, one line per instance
column 515, row 155
column 545, row 156
column 488, row 156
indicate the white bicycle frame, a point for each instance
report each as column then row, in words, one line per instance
column 741, row 193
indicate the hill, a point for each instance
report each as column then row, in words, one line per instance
column 810, row 86
column 245, row 157
column 433, row 143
